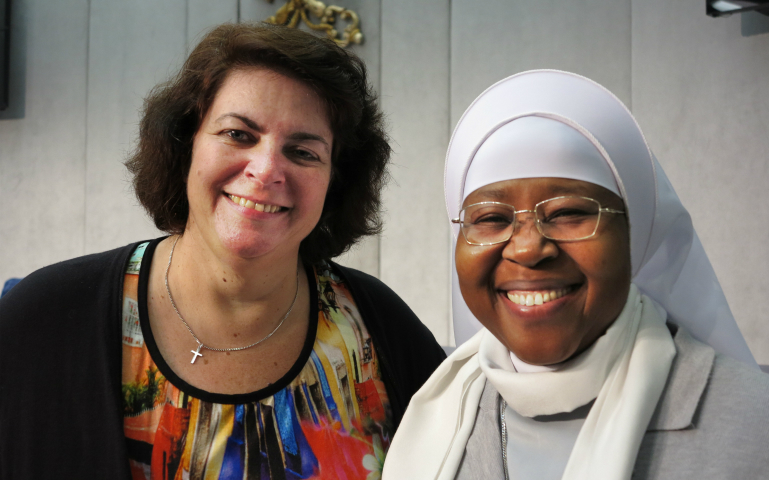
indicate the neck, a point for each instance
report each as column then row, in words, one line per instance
column 221, row 295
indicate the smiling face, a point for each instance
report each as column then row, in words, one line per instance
column 261, row 165
column 590, row 278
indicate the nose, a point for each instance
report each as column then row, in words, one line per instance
column 527, row 246
column 266, row 163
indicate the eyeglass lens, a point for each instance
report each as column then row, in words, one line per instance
column 561, row 218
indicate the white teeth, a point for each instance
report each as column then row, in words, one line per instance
column 536, row 298
column 259, row 207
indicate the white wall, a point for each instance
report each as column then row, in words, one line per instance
column 42, row 156
column 697, row 87
column 415, row 96
column 701, row 94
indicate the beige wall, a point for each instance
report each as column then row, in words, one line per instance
column 697, row 87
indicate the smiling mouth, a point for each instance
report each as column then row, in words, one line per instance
column 259, row 207
column 538, row 297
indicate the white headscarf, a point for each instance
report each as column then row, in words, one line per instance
column 669, row 264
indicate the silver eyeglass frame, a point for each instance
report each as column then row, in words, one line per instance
column 601, row 210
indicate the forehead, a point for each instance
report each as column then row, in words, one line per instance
column 260, row 91
column 523, row 192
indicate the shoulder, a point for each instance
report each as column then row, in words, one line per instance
column 380, row 304
column 367, row 285
column 712, row 420
column 407, row 348
column 63, row 291
column 737, row 394
column 733, row 391
column 76, row 275
column 60, row 332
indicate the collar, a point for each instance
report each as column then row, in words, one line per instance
column 686, row 383
column 685, row 386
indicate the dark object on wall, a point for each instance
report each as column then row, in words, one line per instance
column 719, row 8
column 5, row 51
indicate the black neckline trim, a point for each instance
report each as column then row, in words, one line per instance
column 223, row 398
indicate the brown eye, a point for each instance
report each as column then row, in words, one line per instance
column 302, row 154
column 239, row 136
column 566, row 214
column 492, row 219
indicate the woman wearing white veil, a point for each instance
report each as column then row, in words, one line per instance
column 609, row 349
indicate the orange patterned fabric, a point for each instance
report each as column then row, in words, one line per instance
column 331, row 421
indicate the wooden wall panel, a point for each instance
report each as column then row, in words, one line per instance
column 133, row 46
column 415, row 97
column 205, row 14
column 498, row 38
column 42, row 154
column 365, row 255
column 257, row 10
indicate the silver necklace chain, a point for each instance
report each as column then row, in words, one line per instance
column 201, row 345
column 502, row 408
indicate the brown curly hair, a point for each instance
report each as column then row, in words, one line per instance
column 173, row 112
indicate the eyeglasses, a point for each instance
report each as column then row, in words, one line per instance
column 563, row 219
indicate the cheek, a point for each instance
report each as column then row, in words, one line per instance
column 473, row 264
column 320, row 189
column 210, row 168
column 316, row 187
column 310, row 190
column 606, row 267
column 475, row 270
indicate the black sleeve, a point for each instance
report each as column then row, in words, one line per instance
column 407, row 350
column 60, row 371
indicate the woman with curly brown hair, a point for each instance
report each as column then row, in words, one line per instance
column 243, row 351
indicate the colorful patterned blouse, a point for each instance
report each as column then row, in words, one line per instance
column 328, row 418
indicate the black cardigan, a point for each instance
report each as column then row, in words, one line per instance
column 61, row 413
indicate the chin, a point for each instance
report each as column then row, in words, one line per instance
column 246, row 244
column 539, row 357
column 539, row 352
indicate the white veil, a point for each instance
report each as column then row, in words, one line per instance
column 668, row 261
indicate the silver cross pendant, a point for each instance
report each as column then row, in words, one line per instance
column 196, row 353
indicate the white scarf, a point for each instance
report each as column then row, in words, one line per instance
column 625, row 370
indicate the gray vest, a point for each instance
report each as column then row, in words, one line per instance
column 483, row 454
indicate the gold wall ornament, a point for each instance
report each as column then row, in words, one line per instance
column 295, row 10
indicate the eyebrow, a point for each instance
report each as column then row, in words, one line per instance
column 495, row 194
column 309, row 136
column 298, row 136
column 560, row 190
column 249, row 123
column 555, row 190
